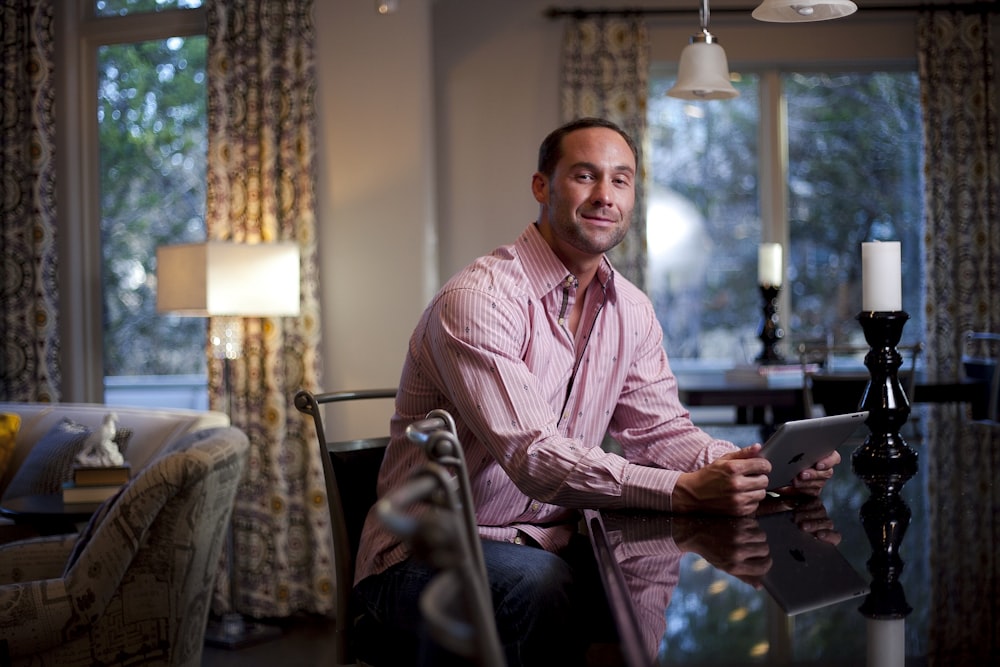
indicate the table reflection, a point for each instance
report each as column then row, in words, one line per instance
column 694, row 584
column 885, row 517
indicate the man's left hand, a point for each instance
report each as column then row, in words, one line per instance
column 812, row 480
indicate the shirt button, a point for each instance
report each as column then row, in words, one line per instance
column 534, row 507
column 518, row 540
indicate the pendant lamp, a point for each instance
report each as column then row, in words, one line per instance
column 795, row 11
column 703, row 72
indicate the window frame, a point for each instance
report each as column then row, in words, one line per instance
column 80, row 32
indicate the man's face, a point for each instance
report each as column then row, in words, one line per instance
column 588, row 201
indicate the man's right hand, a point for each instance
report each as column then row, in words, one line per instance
column 732, row 484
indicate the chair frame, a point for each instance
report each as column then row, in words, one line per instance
column 993, row 391
column 449, row 540
column 344, row 542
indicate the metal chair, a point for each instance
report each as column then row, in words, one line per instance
column 980, row 354
column 350, row 469
column 457, row 603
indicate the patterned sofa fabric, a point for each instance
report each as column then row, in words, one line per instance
column 135, row 586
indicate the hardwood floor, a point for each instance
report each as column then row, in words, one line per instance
column 303, row 642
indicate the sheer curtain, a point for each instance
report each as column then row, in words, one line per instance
column 29, row 368
column 261, row 176
column 605, row 73
column 959, row 95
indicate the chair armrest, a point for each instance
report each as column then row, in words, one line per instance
column 34, row 615
column 35, row 559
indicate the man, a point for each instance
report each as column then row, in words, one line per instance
column 538, row 350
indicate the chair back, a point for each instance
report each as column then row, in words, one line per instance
column 138, row 583
column 980, row 356
column 350, row 470
column 434, row 514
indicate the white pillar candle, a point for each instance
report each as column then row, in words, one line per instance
column 769, row 264
column 881, row 277
column 886, row 642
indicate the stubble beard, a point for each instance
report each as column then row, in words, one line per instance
column 574, row 231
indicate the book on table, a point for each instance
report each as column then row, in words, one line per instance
column 101, row 475
column 94, row 493
column 95, row 484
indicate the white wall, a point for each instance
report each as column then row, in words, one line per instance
column 375, row 189
column 430, row 122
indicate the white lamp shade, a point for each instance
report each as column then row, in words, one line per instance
column 703, row 73
column 219, row 278
column 794, row 11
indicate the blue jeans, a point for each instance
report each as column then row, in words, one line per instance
column 546, row 605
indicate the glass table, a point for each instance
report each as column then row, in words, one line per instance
column 690, row 590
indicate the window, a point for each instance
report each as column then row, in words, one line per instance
column 853, row 174
column 141, row 185
column 152, row 129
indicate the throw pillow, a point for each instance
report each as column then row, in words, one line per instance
column 50, row 461
column 122, row 437
column 10, row 424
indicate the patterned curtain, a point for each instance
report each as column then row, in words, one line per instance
column 261, row 179
column 29, row 365
column 962, row 170
column 605, row 73
column 962, row 239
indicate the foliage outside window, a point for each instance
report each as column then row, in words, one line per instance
column 153, row 141
column 123, row 7
column 854, row 174
column 855, row 145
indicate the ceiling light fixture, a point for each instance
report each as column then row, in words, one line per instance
column 797, row 11
column 703, row 72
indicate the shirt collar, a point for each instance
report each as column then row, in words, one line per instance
column 545, row 271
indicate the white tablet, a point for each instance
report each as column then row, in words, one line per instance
column 799, row 444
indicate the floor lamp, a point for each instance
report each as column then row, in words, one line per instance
column 227, row 282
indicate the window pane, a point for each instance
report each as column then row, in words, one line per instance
column 703, row 221
column 152, row 125
column 854, row 149
column 123, row 7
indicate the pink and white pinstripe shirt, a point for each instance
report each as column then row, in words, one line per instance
column 533, row 403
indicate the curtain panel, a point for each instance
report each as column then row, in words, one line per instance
column 605, row 73
column 962, row 173
column 261, row 180
column 29, row 364
column 962, row 249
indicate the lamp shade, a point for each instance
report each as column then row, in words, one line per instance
column 219, row 278
column 795, row 11
column 703, row 73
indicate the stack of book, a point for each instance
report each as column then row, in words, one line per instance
column 95, row 484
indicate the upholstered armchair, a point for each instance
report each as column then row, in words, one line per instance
column 135, row 586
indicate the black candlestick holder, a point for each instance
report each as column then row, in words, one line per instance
column 770, row 332
column 884, row 452
column 885, row 518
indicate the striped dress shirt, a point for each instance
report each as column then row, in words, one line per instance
column 533, row 403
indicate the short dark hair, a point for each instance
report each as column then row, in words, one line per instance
column 550, row 152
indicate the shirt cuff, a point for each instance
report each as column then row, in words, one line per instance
column 648, row 488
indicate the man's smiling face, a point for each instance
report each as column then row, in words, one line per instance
column 588, row 200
